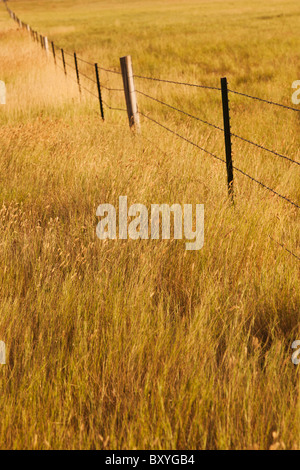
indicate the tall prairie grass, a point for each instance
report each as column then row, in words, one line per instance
column 141, row 344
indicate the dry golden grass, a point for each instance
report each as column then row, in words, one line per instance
column 141, row 344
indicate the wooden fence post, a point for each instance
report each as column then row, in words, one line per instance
column 99, row 91
column 227, row 135
column 46, row 45
column 130, row 94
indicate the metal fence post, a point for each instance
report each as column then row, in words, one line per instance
column 77, row 72
column 63, row 60
column 53, row 51
column 130, row 94
column 227, row 135
column 99, row 91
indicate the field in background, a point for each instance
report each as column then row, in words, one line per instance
column 142, row 344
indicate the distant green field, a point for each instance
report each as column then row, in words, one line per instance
column 141, row 344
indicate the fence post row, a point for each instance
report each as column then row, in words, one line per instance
column 227, row 135
column 77, row 72
column 130, row 94
column 99, row 91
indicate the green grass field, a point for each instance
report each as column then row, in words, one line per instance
column 142, row 344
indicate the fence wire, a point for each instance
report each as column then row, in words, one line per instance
column 266, row 149
column 178, row 83
column 179, row 110
column 285, row 248
column 264, row 101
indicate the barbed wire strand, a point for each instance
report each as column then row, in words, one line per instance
column 265, row 101
column 182, row 137
column 71, row 66
column 69, row 53
column 284, row 247
column 179, row 110
column 112, row 89
column 178, row 83
column 85, row 62
column 266, row 149
column 69, row 76
column 99, row 67
column 86, row 76
column 265, row 186
column 58, row 57
column 90, row 92
column 113, row 108
column 109, row 71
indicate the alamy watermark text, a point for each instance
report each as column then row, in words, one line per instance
column 141, row 228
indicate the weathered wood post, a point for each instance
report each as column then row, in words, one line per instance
column 46, row 45
column 130, row 94
column 2, row 92
column 227, row 136
column 2, row 353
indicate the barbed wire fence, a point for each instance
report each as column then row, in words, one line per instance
column 134, row 113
